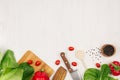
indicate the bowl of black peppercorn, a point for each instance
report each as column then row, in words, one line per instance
column 108, row 50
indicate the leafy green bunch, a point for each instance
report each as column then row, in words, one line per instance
column 96, row 74
column 11, row 70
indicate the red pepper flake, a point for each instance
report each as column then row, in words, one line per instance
column 37, row 63
column 71, row 48
column 57, row 62
column 74, row 63
column 30, row 61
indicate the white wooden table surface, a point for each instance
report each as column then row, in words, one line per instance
column 48, row 27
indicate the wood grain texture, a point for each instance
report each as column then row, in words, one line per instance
column 29, row 55
column 60, row 74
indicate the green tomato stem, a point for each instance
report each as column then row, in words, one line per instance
column 42, row 70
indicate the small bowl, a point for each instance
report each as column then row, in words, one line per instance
column 108, row 50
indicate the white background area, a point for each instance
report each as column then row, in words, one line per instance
column 48, row 27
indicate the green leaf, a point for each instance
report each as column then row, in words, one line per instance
column 0, row 63
column 28, row 70
column 15, row 74
column 95, row 74
column 109, row 78
column 8, row 60
column 91, row 74
column 105, row 70
column 1, row 56
column 11, row 70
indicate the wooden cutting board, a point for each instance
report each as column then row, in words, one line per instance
column 29, row 55
column 60, row 74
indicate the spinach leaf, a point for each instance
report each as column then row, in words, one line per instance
column 95, row 74
column 28, row 70
column 109, row 78
column 105, row 70
column 92, row 74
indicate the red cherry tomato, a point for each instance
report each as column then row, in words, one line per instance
column 29, row 61
column 115, row 68
column 71, row 48
column 116, row 63
column 74, row 63
column 57, row 62
column 97, row 65
column 37, row 63
column 115, row 73
column 111, row 67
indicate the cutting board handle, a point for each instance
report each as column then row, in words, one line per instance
column 62, row 54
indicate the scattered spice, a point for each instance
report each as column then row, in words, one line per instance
column 95, row 55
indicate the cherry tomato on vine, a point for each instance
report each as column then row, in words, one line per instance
column 115, row 68
column 116, row 63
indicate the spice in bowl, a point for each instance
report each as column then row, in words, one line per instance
column 108, row 50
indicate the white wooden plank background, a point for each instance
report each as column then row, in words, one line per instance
column 48, row 27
